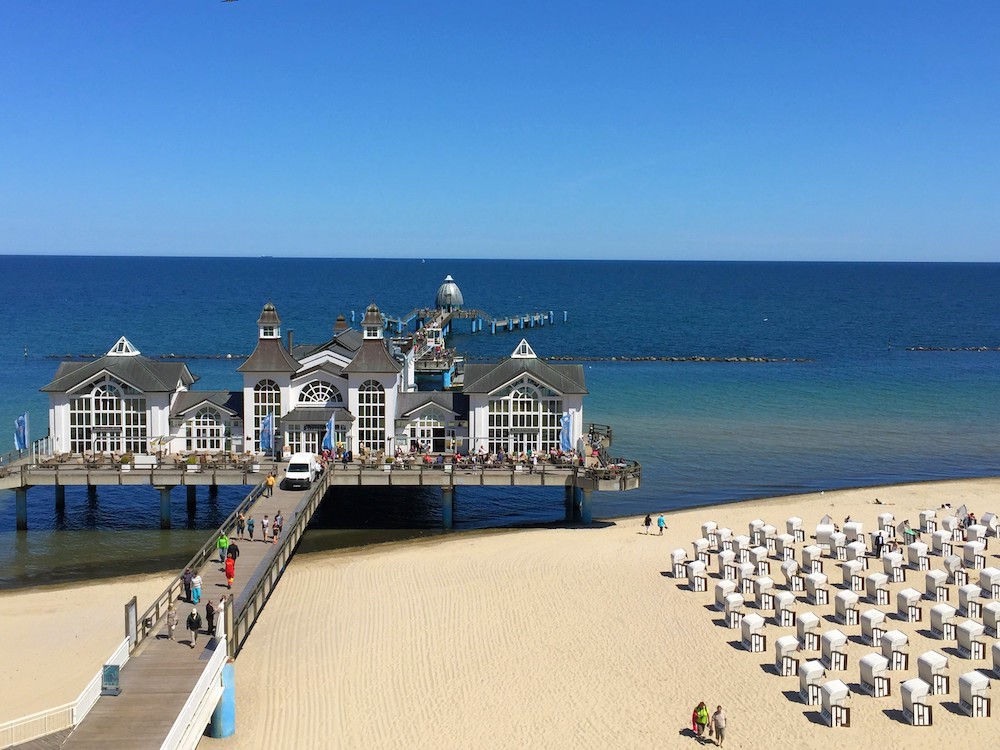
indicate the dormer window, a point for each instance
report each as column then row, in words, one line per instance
column 523, row 351
column 371, row 332
column 267, row 332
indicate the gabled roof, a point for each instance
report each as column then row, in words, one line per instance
column 269, row 355
column 344, row 343
column 317, row 415
column 230, row 402
column 373, row 357
column 142, row 373
column 408, row 403
column 486, row 378
column 332, row 369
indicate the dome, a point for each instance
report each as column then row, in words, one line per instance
column 449, row 296
column 268, row 316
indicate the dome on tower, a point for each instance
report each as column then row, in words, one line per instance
column 449, row 296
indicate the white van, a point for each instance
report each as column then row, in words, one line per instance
column 303, row 468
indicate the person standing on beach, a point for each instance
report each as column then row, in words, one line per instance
column 230, row 570
column 241, row 522
column 250, row 523
column 186, row 577
column 699, row 719
column 661, row 522
column 195, row 589
column 223, row 545
column 194, row 625
column 171, row 620
column 647, row 522
column 718, row 726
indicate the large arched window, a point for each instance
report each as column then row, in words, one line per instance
column 266, row 400
column 371, row 416
column 206, row 431
column 524, row 416
column 111, row 418
column 320, row 392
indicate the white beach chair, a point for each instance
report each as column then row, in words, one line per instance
column 696, row 575
column 916, row 710
column 741, row 546
column 755, row 530
column 811, row 674
column 726, row 561
column 892, row 566
column 991, row 619
column 838, row 546
column 807, row 630
column 835, row 711
column 908, row 605
column 941, row 543
column 977, row 532
column 733, row 611
column 858, row 551
column 953, row 567
column 936, row 585
column 895, row 648
column 811, row 562
column 953, row 527
column 992, row 523
column 916, row 554
column 784, row 609
column 989, row 582
column 793, row 526
column 725, row 537
column 784, row 547
column 853, row 575
column 854, row 531
column 928, row 521
column 769, row 535
column 817, row 589
column 970, row 600
column 846, row 607
column 877, row 588
column 758, row 556
column 995, row 654
column 793, row 580
column 700, row 549
column 678, row 563
column 833, row 650
column 785, row 661
column 708, row 530
column 873, row 626
column 887, row 523
column 723, row 589
column 824, row 534
column 932, row 668
column 971, row 636
column 763, row 592
column 974, row 555
column 973, row 697
column 752, row 630
column 744, row 577
column 874, row 670
column 944, row 618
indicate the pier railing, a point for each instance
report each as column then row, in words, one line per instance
column 197, row 712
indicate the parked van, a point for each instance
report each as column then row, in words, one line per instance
column 303, row 468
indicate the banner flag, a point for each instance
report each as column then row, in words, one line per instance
column 565, row 436
column 328, row 437
column 21, row 432
column 267, row 433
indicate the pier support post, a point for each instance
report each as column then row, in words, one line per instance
column 192, row 495
column 60, row 498
column 493, row 327
column 577, row 504
column 213, row 490
column 21, row 509
column 447, row 506
column 586, row 511
column 164, row 507
column 224, row 717
column 568, row 502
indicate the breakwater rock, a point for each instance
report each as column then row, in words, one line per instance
column 953, row 348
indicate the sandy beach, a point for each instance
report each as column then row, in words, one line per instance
column 542, row 638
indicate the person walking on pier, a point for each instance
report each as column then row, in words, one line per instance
column 195, row 589
column 210, row 617
column 194, row 625
column 264, row 523
column 171, row 620
column 186, row 577
column 250, row 524
column 241, row 522
column 220, row 617
column 279, row 524
column 269, row 485
column 230, row 570
column 223, row 545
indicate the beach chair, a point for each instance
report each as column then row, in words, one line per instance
column 991, row 619
column 678, row 563
column 697, row 577
column 877, row 588
column 992, row 523
column 908, row 605
column 763, row 592
column 972, row 694
column 793, row 580
column 741, row 546
column 932, row 668
column 758, row 556
column 953, row 567
column 793, row 526
column 887, row 523
column 733, row 610
column 811, row 562
column 952, row 525
column 995, row 654
column 916, row 710
column 752, row 632
column 708, row 530
column 895, row 648
column 817, row 590
column 769, row 537
column 723, row 589
column 726, row 561
column 835, row 711
column 928, row 521
column 977, row 532
column 756, row 532
column 874, row 670
column 838, row 546
column 833, row 650
column 854, row 531
column 846, row 607
column 725, row 537
column 916, row 554
column 873, row 626
column 941, row 543
column 858, row 551
column 892, row 566
column 971, row 637
column 824, row 534
column 700, row 549
column 784, row 609
column 974, row 555
column 811, row 673
column 935, row 585
column 807, row 630
column 943, row 620
column 744, row 577
column 853, row 575
column 989, row 582
column 785, row 661
column 784, row 547
column 970, row 600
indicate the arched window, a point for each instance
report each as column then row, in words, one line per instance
column 266, row 400
column 428, row 432
column 524, row 416
column 320, row 392
column 111, row 418
column 371, row 416
column 206, row 431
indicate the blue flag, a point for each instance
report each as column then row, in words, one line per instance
column 21, row 432
column 564, row 433
column 328, row 437
column 267, row 433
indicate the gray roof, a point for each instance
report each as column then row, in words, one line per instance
column 228, row 401
column 269, row 355
column 317, row 415
column 486, row 378
column 345, row 342
column 407, row 403
column 144, row 374
column 373, row 357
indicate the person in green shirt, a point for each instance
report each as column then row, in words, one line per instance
column 223, row 545
column 699, row 719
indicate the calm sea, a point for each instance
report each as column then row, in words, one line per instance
column 856, row 408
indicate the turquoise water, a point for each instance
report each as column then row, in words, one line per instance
column 859, row 410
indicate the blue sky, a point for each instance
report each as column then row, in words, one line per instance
column 666, row 130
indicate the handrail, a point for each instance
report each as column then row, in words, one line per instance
column 89, row 695
column 190, row 723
